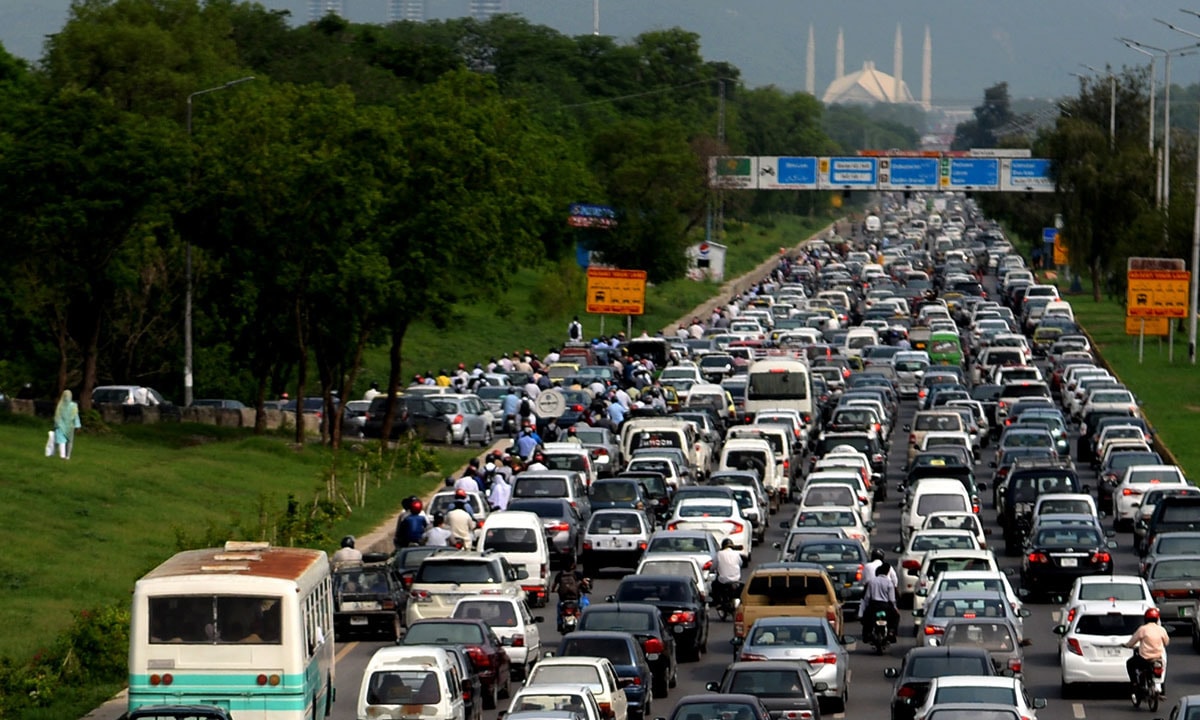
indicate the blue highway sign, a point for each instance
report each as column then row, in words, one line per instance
column 908, row 173
column 974, row 174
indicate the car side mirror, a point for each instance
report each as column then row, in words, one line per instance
column 1039, row 703
column 891, row 673
column 1111, row 544
column 992, row 464
column 783, row 525
column 1060, row 629
column 908, row 428
column 1026, row 642
column 918, row 612
column 1024, row 612
column 820, row 686
column 847, row 640
column 777, row 546
column 987, row 531
column 548, row 653
column 981, row 486
column 1110, row 533
column 737, row 642
column 898, row 549
column 713, row 687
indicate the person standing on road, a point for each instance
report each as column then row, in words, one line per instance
column 575, row 330
column 66, row 422
column 372, row 392
column 500, row 494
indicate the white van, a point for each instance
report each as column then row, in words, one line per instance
column 756, row 453
column 858, row 338
column 780, row 383
column 932, row 495
column 419, row 680
column 521, row 538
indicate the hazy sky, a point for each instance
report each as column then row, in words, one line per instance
column 1033, row 44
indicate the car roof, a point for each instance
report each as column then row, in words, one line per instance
column 967, row 680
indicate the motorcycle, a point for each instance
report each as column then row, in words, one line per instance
column 876, row 632
column 1149, row 686
column 726, row 597
column 568, row 616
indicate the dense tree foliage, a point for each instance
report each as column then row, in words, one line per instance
column 368, row 177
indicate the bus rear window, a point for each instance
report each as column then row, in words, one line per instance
column 778, row 386
column 215, row 620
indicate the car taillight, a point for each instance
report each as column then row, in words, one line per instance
column 1038, row 557
column 934, row 630
column 558, row 527
column 1014, row 664
column 406, row 581
column 458, row 420
column 737, row 526
column 682, row 616
column 825, row 659
column 858, row 574
column 1073, row 646
column 422, row 596
column 912, row 439
column 708, row 566
column 752, row 657
column 652, row 646
column 831, row 616
column 606, row 709
column 479, row 657
column 1158, row 669
column 641, row 545
column 906, row 691
column 518, row 640
column 1101, row 557
column 739, row 623
column 587, row 544
column 1130, row 491
column 637, row 680
column 911, row 565
column 1070, row 616
column 388, row 604
column 672, row 526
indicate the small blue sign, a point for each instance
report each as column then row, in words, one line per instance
column 1029, row 175
column 1048, row 234
column 852, row 172
column 974, row 173
column 797, row 171
column 909, row 173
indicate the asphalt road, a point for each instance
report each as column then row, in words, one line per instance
column 870, row 692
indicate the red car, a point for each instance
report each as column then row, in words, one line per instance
column 484, row 648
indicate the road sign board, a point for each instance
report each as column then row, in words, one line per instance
column 1049, row 234
column 787, row 173
column 1061, row 255
column 1026, row 175
column 908, row 173
column 999, row 152
column 973, row 174
column 1154, row 326
column 733, row 172
column 550, row 403
column 1157, row 293
column 847, row 173
column 616, row 292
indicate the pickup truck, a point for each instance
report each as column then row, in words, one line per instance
column 792, row 589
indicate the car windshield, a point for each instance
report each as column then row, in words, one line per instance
column 444, row 633
column 644, row 591
column 581, row 674
column 403, row 687
column 540, row 487
column 1072, row 537
column 1176, row 569
column 989, row 636
column 767, row 683
column 825, row 518
column 455, row 572
column 614, row 524
column 788, row 635
column 976, row 694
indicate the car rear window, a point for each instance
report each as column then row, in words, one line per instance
column 456, row 572
column 943, row 542
column 614, row 524
column 929, row 667
column 766, row 683
column 937, row 502
column 616, row 620
column 987, row 635
column 567, row 674
column 788, row 636
column 1108, row 624
column 540, row 487
column 1111, row 591
column 1175, row 569
column 403, row 687
column 942, row 423
column 990, row 695
column 515, row 540
column 614, row 492
column 457, row 633
column 614, row 649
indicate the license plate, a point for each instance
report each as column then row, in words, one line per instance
column 618, row 543
column 652, row 656
column 358, row 620
column 1069, row 562
column 1114, row 652
column 1185, row 612
column 678, row 629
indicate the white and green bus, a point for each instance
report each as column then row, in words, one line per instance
column 247, row 627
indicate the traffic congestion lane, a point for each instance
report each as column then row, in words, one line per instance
column 870, row 691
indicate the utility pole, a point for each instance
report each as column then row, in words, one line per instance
column 721, row 140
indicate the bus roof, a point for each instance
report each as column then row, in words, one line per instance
column 245, row 559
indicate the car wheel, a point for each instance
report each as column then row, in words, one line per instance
column 658, row 688
column 397, row 629
column 487, row 437
column 838, row 704
column 449, row 438
column 489, row 698
column 466, row 440
column 674, row 681
column 1067, row 691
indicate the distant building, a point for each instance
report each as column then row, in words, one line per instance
column 410, row 10
column 484, row 9
column 869, row 85
column 318, row 9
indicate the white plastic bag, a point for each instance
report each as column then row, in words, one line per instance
column 50, row 445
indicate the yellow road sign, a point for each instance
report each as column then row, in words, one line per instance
column 616, row 292
column 1157, row 293
column 1061, row 257
column 1154, row 326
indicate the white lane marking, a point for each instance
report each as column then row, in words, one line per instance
column 1077, row 708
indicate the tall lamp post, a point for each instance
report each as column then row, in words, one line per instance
column 1136, row 46
column 1112, row 106
column 187, row 301
column 1194, row 295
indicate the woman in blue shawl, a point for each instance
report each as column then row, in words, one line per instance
column 66, row 420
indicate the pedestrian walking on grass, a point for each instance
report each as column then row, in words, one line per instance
column 66, row 422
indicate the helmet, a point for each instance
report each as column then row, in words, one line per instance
column 348, row 541
column 1152, row 614
column 417, row 506
column 438, row 518
column 878, row 554
column 460, row 494
column 726, row 543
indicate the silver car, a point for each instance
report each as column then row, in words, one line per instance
column 614, row 538
column 810, row 639
column 699, row 546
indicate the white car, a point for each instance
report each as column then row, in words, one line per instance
column 1093, row 649
column 574, row 696
column 958, row 521
column 818, row 490
column 846, row 518
column 937, row 562
column 510, row 619
column 931, row 495
column 722, row 518
column 595, row 672
column 1103, row 588
column 678, row 564
column 1137, row 480
column 984, row 580
column 921, row 542
column 973, row 689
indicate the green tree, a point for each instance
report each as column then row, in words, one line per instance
column 991, row 115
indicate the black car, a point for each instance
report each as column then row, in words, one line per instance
column 1057, row 554
column 843, row 560
column 679, row 603
column 922, row 664
column 784, row 687
column 1006, row 459
column 368, row 600
column 721, row 706
column 1177, row 511
column 626, row 493
column 868, row 444
column 1026, row 481
column 628, row 658
column 646, row 625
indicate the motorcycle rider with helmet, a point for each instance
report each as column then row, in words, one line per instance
column 879, row 593
column 728, row 583
column 1149, row 643
column 878, row 556
column 347, row 553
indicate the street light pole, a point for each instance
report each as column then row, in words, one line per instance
column 187, row 300
column 1112, row 106
column 1145, row 50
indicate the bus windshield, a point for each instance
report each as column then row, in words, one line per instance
column 778, row 385
column 215, row 620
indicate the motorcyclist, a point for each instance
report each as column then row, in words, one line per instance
column 347, row 553
column 570, row 585
column 879, row 593
column 461, row 523
column 410, row 530
column 878, row 557
column 729, row 572
column 1149, row 643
